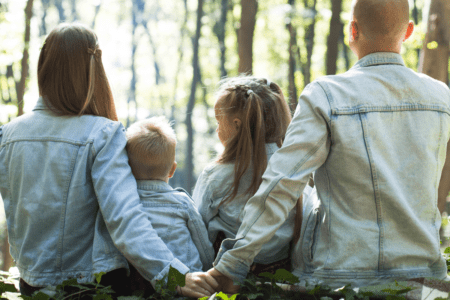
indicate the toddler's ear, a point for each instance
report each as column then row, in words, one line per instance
column 237, row 123
column 172, row 171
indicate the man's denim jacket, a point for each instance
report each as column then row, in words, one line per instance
column 71, row 201
column 210, row 190
column 376, row 137
column 176, row 220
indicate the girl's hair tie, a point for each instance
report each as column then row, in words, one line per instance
column 96, row 52
column 249, row 92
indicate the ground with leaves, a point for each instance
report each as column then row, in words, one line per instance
column 281, row 285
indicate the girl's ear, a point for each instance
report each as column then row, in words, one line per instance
column 237, row 123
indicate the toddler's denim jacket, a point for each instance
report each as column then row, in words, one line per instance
column 211, row 188
column 71, row 201
column 376, row 137
column 176, row 220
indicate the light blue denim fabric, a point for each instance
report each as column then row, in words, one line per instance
column 71, row 199
column 376, row 137
column 178, row 223
column 211, row 188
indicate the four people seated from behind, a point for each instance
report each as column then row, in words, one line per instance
column 375, row 138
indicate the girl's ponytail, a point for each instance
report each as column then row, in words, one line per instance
column 264, row 114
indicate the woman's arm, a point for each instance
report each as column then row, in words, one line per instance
column 129, row 227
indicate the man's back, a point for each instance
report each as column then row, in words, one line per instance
column 388, row 131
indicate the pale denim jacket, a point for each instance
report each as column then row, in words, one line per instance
column 178, row 223
column 71, row 201
column 210, row 190
column 376, row 138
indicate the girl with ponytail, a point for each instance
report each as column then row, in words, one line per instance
column 252, row 117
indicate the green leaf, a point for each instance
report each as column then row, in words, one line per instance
column 175, row 279
column 7, row 287
column 98, row 276
column 225, row 296
column 40, row 296
column 395, row 297
column 254, row 296
column 203, row 298
column 285, row 275
column 447, row 250
column 102, row 297
column 315, row 290
column 267, row 275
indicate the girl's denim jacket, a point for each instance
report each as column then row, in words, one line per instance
column 376, row 137
column 211, row 188
column 71, row 201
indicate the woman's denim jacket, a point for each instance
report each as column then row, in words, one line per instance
column 376, row 137
column 210, row 190
column 71, row 201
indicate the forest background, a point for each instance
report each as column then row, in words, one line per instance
column 165, row 57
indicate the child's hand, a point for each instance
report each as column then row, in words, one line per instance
column 198, row 285
column 226, row 284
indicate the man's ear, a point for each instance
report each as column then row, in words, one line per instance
column 237, row 123
column 409, row 30
column 172, row 171
column 354, row 30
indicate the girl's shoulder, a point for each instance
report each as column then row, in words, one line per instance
column 217, row 174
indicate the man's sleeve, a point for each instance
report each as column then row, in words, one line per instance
column 304, row 150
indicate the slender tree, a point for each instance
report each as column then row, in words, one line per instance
column 436, row 47
column 220, row 31
column 333, row 36
column 310, row 32
column 61, row 12
column 25, row 63
column 43, row 27
column 97, row 5
column 292, row 57
column 245, row 35
column 191, row 102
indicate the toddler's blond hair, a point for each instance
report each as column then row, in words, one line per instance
column 151, row 148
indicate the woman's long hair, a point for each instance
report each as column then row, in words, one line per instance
column 265, row 116
column 71, row 77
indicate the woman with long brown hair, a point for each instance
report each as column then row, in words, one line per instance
column 70, row 198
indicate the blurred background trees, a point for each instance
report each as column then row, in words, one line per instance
column 165, row 57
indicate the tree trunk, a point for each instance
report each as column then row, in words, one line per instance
column 191, row 102
column 245, row 35
column 221, row 33
column 97, row 10
column 292, row 62
column 74, row 14
column 132, row 94
column 436, row 47
column 43, row 28
column 25, row 64
column 61, row 13
column 333, row 37
column 309, row 41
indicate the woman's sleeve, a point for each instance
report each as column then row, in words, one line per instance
column 118, row 199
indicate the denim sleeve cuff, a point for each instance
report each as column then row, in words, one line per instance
column 232, row 268
column 175, row 263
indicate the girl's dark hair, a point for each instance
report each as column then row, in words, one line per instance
column 71, row 77
column 265, row 116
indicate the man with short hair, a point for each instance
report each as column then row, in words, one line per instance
column 376, row 139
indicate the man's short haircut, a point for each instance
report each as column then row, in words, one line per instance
column 382, row 19
column 151, row 147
